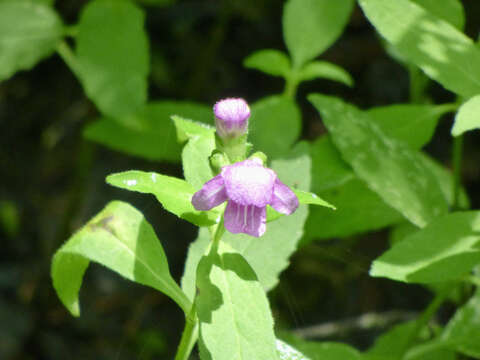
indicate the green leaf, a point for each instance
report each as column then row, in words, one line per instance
column 174, row 194
column 29, row 32
column 448, row 10
column 281, row 237
column 325, row 70
column 390, row 168
column 187, row 129
column 444, row 250
column 195, row 159
column 269, row 61
column 149, row 133
column 463, row 330
column 413, row 124
column 358, row 210
column 275, row 112
column 305, row 197
column 324, row 350
column 311, row 26
column 120, row 239
column 439, row 49
column 287, row 352
column 468, row 117
column 233, row 310
column 113, row 57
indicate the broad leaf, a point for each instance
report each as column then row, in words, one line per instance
column 390, row 168
column 439, row 49
column 463, row 330
column 269, row 61
column 287, row 352
column 149, row 133
column 29, row 32
column 311, row 26
column 195, row 159
column 468, row 117
column 113, row 57
column 444, row 250
column 412, row 124
column 174, row 194
column 281, row 237
column 325, row 70
column 323, row 350
column 120, row 239
column 448, row 10
column 233, row 310
column 187, row 129
column 274, row 112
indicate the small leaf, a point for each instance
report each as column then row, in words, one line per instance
column 444, row 250
column 275, row 112
column 120, row 239
column 174, row 194
column 390, row 168
column 195, row 159
column 269, row 61
column 324, row 350
column 412, row 124
column 29, row 32
column 149, row 133
column 439, row 49
column 233, row 310
column 305, row 197
column 463, row 329
column 311, row 26
column 287, row 352
column 113, row 56
column 187, row 129
column 468, row 117
column 325, row 70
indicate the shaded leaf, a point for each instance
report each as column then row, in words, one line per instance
column 149, row 133
column 449, row 10
column 275, row 112
column 269, row 61
column 113, row 56
column 174, row 194
column 311, row 26
column 121, row 239
column 439, row 49
column 187, row 129
column 444, row 250
column 29, row 32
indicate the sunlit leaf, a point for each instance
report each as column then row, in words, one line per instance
column 269, row 61
column 120, row 239
column 468, row 117
column 325, row 70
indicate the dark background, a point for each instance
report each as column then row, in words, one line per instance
column 52, row 181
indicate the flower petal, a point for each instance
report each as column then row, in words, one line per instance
column 210, row 195
column 284, row 200
column 247, row 219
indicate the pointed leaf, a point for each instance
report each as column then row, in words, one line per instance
column 121, row 239
column 390, row 168
column 29, row 32
column 444, row 250
column 439, row 49
column 305, row 197
column 174, row 194
column 325, row 70
column 287, row 352
column 187, row 129
column 468, row 117
column 269, row 61
column 112, row 56
column 311, row 26
column 149, row 133
column 233, row 310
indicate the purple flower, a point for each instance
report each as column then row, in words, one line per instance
column 231, row 117
column 248, row 187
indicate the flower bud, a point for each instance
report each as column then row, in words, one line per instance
column 231, row 117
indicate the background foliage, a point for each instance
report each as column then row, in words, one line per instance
column 93, row 104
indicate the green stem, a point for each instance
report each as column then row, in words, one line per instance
column 69, row 58
column 423, row 320
column 457, row 170
column 189, row 336
column 291, row 85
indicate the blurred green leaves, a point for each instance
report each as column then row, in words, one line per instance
column 29, row 32
column 468, row 117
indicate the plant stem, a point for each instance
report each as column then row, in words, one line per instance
column 425, row 318
column 291, row 85
column 189, row 336
column 457, row 170
column 68, row 57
